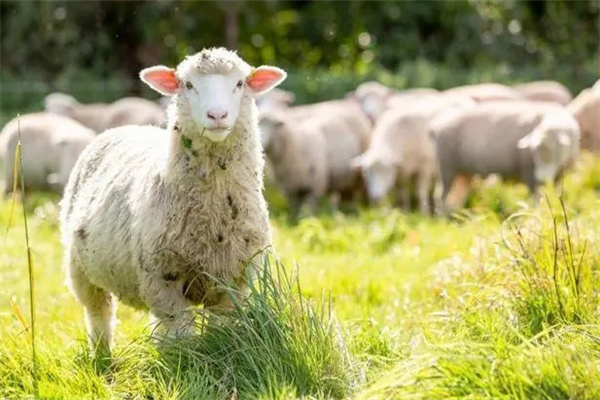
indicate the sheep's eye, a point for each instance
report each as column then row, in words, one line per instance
column 239, row 84
column 189, row 85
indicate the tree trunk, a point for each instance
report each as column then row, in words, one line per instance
column 232, row 12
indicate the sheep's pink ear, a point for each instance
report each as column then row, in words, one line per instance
column 264, row 78
column 161, row 78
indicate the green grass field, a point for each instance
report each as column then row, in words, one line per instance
column 501, row 301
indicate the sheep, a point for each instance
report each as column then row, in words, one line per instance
column 102, row 116
column 50, row 147
column 162, row 218
column 90, row 115
column 345, row 115
column 530, row 142
column 374, row 97
column 344, row 108
column 551, row 91
column 133, row 111
column 298, row 159
column 407, row 98
column 299, row 138
column 274, row 100
column 402, row 150
column 586, row 110
column 483, row 92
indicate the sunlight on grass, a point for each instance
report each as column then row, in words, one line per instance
column 501, row 301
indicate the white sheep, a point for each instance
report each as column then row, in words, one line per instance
column 133, row 111
column 374, row 98
column 50, row 146
column 586, row 110
column 526, row 141
column 310, row 148
column 103, row 116
column 276, row 99
column 483, row 92
column 91, row 115
column 550, row 91
column 160, row 218
column 402, row 150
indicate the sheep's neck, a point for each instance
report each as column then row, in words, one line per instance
column 201, row 162
column 197, row 161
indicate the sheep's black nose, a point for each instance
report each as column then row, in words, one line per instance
column 216, row 115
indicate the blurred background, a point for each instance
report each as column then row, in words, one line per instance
column 95, row 49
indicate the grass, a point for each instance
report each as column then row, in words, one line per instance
column 500, row 302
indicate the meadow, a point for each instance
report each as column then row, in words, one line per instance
column 500, row 301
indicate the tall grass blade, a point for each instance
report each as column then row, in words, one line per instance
column 29, row 265
column 15, row 182
column 19, row 314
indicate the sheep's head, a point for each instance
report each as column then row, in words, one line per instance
column 372, row 97
column 60, row 103
column 553, row 143
column 212, row 84
column 270, row 123
column 379, row 172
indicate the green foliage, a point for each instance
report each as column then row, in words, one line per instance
column 94, row 50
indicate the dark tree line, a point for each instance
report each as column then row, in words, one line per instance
column 62, row 42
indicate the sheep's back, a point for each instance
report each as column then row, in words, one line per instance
column 133, row 111
column 101, row 205
column 483, row 140
column 586, row 110
column 39, row 133
column 114, row 161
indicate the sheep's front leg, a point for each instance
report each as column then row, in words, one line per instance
column 165, row 299
column 423, row 190
column 404, row 193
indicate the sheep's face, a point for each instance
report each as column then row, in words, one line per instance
column 269, row 124
column 276, row 99
column 551, row 149
column 372, row 97
column 373, row 105
column 212, row 85
column 60, row 103
column 379, row 176
column 214, row 102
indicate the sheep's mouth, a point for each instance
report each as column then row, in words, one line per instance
column 216, row 134
column 218, row 129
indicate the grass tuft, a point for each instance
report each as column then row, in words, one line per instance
column 273, row 339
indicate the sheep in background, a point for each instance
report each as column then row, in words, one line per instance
column 483, row 92
column 298, row 159
column 51, row 145
column 532, row 142
column 550, row 91
column 161, row 218
column 102, row 116
column 276, row 99
column 163, row 102
column 586, row 110
column 402, row 150
column 374, row 98
column 341, row 132
column 133, row 111
column 91, row 115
